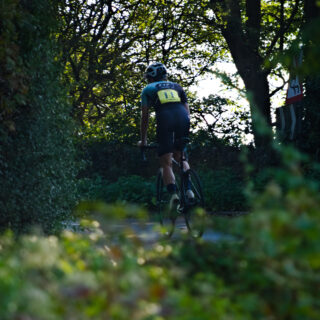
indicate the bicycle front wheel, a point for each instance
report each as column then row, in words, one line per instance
column 167, row 221
column 194, row 212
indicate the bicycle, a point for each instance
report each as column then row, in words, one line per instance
column 192, row 209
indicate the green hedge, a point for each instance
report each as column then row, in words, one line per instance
column 223, row 190
column 131, row 189
column 37, row 154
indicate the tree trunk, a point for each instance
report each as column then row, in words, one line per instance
column 312, row 83
column 257, row 87
column 243, row 39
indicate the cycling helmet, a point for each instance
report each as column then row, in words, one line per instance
column 156, row 71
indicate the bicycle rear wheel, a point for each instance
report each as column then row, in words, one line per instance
column 166, row 219
column 194, row 212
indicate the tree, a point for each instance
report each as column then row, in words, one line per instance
column 97, row 40
column 311, row 69
column 107, row 46
column 221, row 118
column 255, row 31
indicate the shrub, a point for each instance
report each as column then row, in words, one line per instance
column 37, row 155
column 277, row 258
column 89, row 276
column 130, row 189
column 223, row 190
column 111, row 160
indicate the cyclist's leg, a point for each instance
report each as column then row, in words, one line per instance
column 169, row 180
column 177, row 157
column 181, row 130
column 165, row 122
column 186, row 167
column 166, row 165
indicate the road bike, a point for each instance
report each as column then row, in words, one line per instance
column 192, row 209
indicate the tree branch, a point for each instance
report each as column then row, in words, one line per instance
column 280, row 33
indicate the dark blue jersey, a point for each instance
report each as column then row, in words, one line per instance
column 162, row 93
column 168, row 99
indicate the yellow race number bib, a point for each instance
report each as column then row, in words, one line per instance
column 168, row 95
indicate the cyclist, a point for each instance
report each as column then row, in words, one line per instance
column 173, row 122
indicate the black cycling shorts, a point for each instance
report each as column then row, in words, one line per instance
column 172, row 123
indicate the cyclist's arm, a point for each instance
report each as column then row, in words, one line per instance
column 144, row 124
column 186, row 105
column 183, row 98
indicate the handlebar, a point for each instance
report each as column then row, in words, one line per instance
column 144, row 148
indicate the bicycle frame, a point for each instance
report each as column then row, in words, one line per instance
column 180, row 162
column 185, row 178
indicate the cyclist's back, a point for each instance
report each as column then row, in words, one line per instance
column 163, row 93
column 168, row 100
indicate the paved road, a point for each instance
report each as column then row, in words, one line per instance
column 147, row 231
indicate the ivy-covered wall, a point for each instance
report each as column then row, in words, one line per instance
column 37, row 156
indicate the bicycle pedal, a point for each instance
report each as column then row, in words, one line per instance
column 180, row 209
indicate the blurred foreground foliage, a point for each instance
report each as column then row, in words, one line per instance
column 265, row 265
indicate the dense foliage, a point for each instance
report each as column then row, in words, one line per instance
column 37, row 167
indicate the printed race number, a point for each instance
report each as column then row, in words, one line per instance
column 168, row 95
